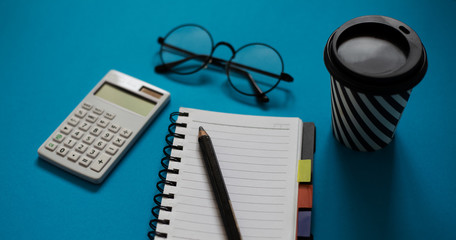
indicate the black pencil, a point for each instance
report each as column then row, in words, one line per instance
column 218, row 186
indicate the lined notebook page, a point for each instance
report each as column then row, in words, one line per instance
column 258, row 158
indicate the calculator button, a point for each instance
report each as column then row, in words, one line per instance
column 69, row 142
column 58, row 137
column 80, row 113
column 93, row 153
column 114, row 128
column 73, row 156
column 100, row 162
column 88, row 139
column 98, row 111
column 100, row 144
column 51, row 146
column 77, row 134
column 85, row 162
column 112, row 149
column 84, row 126
column 91, row 118
column 109, row 115
column 87, row 106
column 125, row 133
column 66, row 129
column 118, row 141
column 62, row 151
column 107, row 136
column 103, row 123
column 95, row 130
column 81, row 147
column 73, row 121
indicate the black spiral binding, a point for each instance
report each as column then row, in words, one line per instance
column 163, row 173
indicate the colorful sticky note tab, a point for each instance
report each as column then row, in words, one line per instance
column 304, row 218
column 304, row 170
column 305, row 196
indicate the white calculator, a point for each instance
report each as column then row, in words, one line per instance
column 99, row 131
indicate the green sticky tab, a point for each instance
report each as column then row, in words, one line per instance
column 304, row 170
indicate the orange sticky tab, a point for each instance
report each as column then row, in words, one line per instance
column 305, row 196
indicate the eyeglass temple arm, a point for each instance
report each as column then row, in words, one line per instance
column 164, row 67
column 259, row 94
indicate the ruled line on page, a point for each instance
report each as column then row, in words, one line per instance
column 192, row 213
column 250, row 141
column 202, row 180
column 217, row 132
column 242, row 162
column 194, row 221
column 240, row 210
column 253, row 164
column 247, row 178
column 250, row 170
column 230, row 167
column 240, row 155
column 240, row 126
column 204, row 230
column 198, row 213
column 245, row 148
column 233, row 193
column 232, row 200
column 236, row 185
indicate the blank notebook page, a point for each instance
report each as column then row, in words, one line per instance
column 258, row 158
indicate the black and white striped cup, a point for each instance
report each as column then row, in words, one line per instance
column 374, row 62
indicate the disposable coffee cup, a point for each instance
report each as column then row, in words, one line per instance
column 374, row 62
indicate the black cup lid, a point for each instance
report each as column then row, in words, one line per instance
column 376, row 55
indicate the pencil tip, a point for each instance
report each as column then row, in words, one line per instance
column 201, row 132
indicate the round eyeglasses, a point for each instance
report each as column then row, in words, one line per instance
column 254, row 69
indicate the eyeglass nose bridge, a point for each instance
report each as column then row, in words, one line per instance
column 215, row 47
column 226, row 44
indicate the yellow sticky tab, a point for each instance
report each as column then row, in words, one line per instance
column 304, row 170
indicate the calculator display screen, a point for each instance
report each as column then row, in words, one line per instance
column 125, row 99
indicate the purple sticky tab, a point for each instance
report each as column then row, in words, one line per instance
column 304, row 218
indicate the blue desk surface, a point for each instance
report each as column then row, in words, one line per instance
column 53, row 52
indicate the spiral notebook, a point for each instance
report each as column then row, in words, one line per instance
column 259, row 158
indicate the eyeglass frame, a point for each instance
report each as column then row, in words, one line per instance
column 259, row 94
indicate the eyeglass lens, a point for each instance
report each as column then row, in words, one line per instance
column 257, row 57
column 190, row 44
